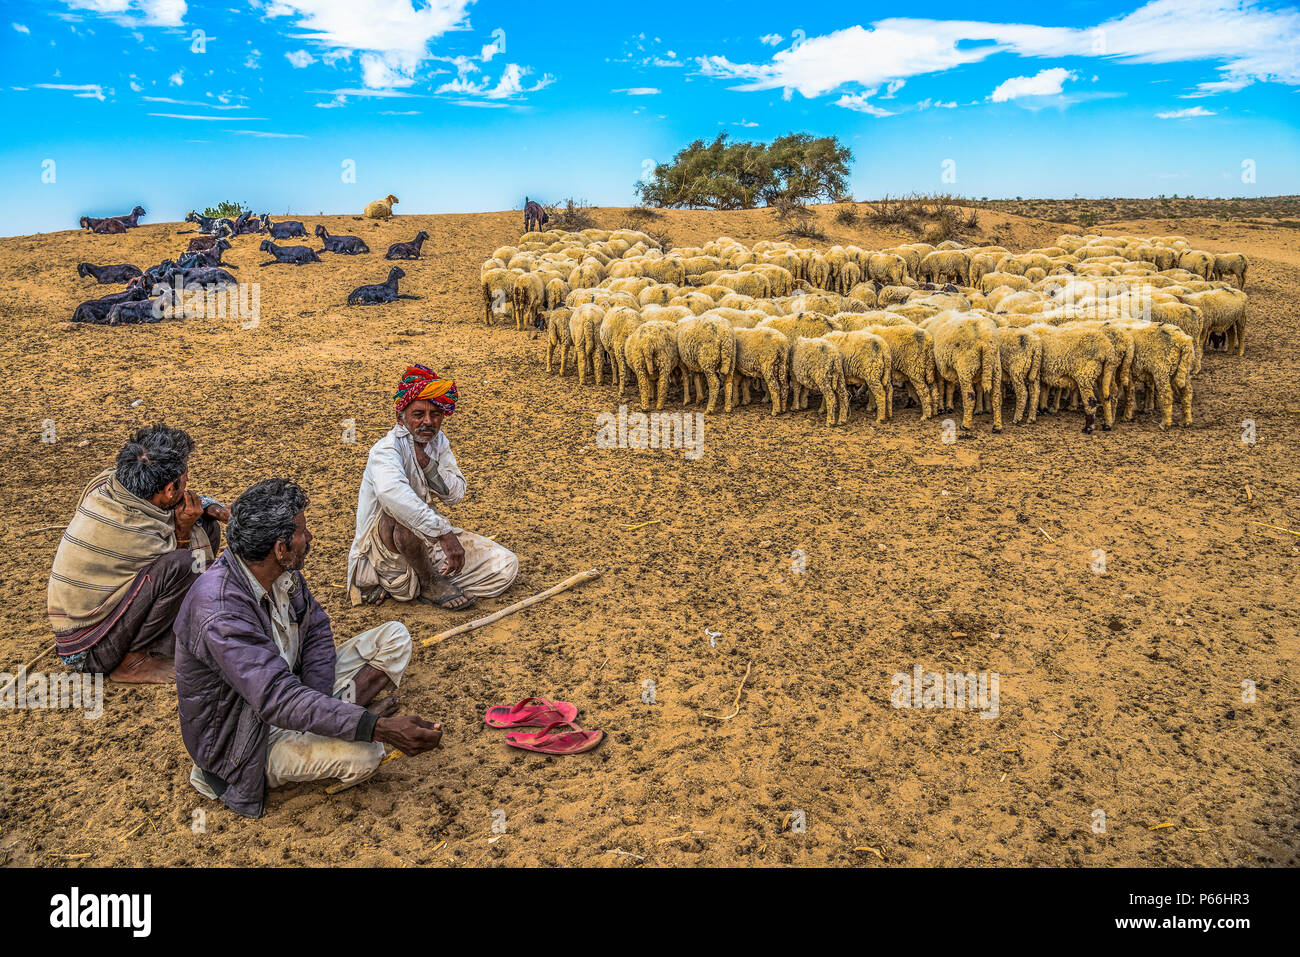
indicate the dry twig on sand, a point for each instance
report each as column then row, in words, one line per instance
column 736, row 704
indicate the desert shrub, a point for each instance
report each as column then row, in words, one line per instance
column 891, row 212
column 1086, row 217
column 227, row 210
column 743, row 175
column 847, row 215
column 662, row 238
column 572, row 214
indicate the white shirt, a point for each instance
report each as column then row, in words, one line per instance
column 394, row 483
column 283, row 628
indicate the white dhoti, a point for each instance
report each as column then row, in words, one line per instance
column 302, row 756
column 489, row 568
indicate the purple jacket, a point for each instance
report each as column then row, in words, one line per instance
column 232, row 682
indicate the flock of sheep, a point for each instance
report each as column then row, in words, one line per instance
column 1103, row 322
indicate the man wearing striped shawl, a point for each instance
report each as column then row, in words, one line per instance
column 403, row 547
column 136, row 544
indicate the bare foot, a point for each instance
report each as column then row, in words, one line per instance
column 139, row 667
column 442, row 592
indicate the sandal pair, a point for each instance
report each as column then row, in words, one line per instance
column 549, row 716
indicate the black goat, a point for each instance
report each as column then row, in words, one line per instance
column 110, row 225
column 385, row 291
column 288, row 229
column 294, row 255
column 109, row 274
column 96, row 310
column 204, row 257
column 347, row 245
column 409, row 250
column 135, row 312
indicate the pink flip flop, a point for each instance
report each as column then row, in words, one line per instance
column 547, row 742
column 530, row 713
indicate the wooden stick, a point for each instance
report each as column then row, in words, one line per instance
column 1278, row 527
column 568, row 583
column 23, row 669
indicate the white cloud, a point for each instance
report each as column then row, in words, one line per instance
column 154, row 13
column 300, row 59
column 771, row 39
column 91, row 91
column 1248, row 42
column 508, row 86
column 392, row 35
column 638, row 91
column 210, row 106
column 399, row 112
column 893, row 87
column 177, row 78
column 1042, row 83
column 135, row 87
column 267, row 135
column 858, row 103
column 1184, row 114
column 224, row 119
column 335, row 103
column 20, row 28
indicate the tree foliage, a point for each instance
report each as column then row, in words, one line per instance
column 741, row 175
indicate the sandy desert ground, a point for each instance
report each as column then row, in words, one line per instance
column 1120, row 692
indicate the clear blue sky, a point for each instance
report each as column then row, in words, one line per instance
column 460, row 106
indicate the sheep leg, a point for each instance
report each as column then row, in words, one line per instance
column 550, row 355
column 1164, row 401
column 1032, row 409
column 664, row 375
column 686, row 384
column 712, row 378
column 643, row 387
column 1185, row 398
column 880, row 398
column 1240, row 329
column 581, row 360
column 773, row 391
column 995, row 394
column 1089, row 401
column 966, row 381
column 1022, row 399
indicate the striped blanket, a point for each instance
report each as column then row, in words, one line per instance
column 111, row 539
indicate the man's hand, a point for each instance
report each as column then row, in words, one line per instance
column 454, row 553
column 220, row 512
column 408, row 733
column 187, row 513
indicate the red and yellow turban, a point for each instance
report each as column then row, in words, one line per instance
column 420, row 382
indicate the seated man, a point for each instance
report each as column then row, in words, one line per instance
column 403, row 548
column 265, row 696
column 136, row 544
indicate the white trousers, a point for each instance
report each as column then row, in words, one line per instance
column 303, row 756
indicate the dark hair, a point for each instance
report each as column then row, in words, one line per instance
column 153, row 458
column 265, row 514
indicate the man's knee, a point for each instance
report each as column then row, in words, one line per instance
column 176, row 569
column 510, row 567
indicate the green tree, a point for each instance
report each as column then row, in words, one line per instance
column 741, row 175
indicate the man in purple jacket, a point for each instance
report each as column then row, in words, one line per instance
column 265, row 696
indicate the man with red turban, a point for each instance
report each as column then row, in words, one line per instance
column 403, row 547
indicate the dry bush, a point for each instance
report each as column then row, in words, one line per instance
column 662, row 238
column 891, row 212
column 573, row 215
column 847, row 215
